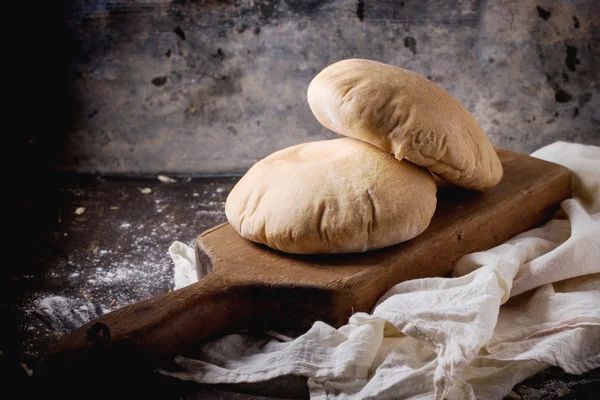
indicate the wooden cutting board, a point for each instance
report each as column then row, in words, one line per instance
column 251, row 286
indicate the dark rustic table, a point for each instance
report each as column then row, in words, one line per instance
column 82, row 246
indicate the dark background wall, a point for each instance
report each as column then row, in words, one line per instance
column 210, row 87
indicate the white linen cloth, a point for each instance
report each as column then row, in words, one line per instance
column 471, row 336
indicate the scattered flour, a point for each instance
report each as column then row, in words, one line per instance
column 209, row 212
column 118, row 278
column 104, row 278
column 552, row 388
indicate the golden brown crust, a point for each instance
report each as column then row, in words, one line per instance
column 332, row 196
column 407, row 115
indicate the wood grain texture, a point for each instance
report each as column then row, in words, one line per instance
column 252, row 286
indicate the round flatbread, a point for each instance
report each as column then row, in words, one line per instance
column 332, row 196
column 408, row 115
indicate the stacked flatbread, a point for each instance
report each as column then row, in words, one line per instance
column 376, row 187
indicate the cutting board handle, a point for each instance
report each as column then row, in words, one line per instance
column 156, row 329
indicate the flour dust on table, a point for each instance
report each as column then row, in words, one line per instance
column 106, row 287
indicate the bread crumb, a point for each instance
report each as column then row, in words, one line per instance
column 166, row 179
column 113, row 303
column 79, row 210
column 27, row 370
column 114, row 208
column 145, row 190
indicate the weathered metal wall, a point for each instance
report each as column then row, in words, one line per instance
column 210, row 87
